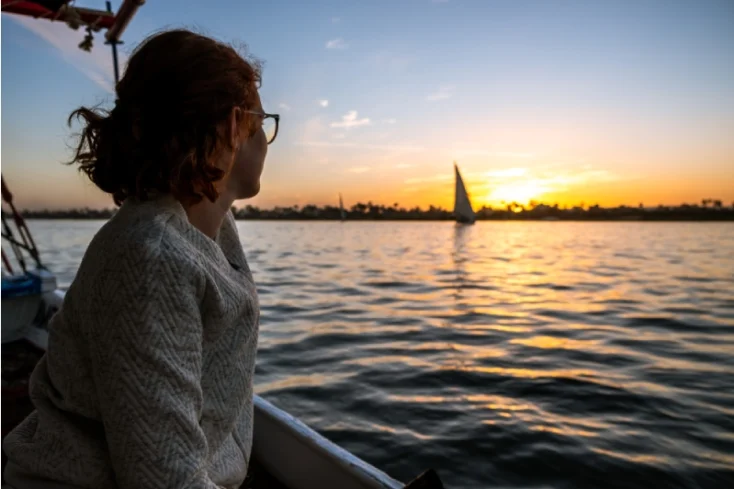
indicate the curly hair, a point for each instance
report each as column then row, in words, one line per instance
column 164, row 132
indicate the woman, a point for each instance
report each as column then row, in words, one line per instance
column 147, row 382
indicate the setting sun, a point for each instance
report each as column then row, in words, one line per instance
column 521, row 192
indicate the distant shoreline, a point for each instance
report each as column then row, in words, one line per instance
column 710, row 210
column 717, row 219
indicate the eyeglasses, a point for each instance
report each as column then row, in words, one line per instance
column 269, row 125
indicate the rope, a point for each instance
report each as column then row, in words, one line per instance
column 26, row 240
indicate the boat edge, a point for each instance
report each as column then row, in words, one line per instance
column 370, row 476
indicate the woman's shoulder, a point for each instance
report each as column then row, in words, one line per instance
column 141, row 234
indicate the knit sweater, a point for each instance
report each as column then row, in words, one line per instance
column 147, row 382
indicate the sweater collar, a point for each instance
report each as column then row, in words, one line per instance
column 168, row 204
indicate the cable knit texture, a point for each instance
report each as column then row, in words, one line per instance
column 147, row 382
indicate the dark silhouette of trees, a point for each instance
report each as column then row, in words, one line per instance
column 708, row 210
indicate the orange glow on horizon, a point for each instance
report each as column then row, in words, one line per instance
column 419, row 185
column 521, row 192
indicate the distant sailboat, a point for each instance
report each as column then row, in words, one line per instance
column 462, row 206
column 342, row 213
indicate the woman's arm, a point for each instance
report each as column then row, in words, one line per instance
column 146, row 352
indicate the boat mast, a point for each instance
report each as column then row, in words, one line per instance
column 113, row 43
column 114, row 33
column 91, row 19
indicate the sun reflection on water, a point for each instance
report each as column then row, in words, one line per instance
column 606, row 346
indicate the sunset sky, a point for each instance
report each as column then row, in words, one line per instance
column 556, row 101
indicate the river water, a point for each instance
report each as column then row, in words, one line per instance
column 505, row 354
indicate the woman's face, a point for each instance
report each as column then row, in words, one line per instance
column 248, row 159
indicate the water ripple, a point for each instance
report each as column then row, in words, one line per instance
column 574, row 355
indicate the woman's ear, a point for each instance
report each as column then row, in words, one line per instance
column 235, row 123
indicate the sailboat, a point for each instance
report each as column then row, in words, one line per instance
column 342, row 213
column 462, row 206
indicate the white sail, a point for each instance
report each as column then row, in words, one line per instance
column 462, row 205
column 342, row 213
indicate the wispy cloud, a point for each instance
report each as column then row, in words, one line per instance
column 440, row 177
column 337, row 43
column 554, row 177
column 403, row 166
column 443, row 93
column 95, row 65
column 390, row 121
column 516, row 154
column 324, row 103
column 524, row 184
column 336, row 20
column 407, row 148
column 284, row 107
column 389, row 60
column 519, row 184
column 359, row 169
column 464, row 152
column 350, row 120
column 507, row 172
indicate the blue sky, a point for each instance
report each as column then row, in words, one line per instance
column 610, row 102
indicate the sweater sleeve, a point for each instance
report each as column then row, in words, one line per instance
column 146, row 358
